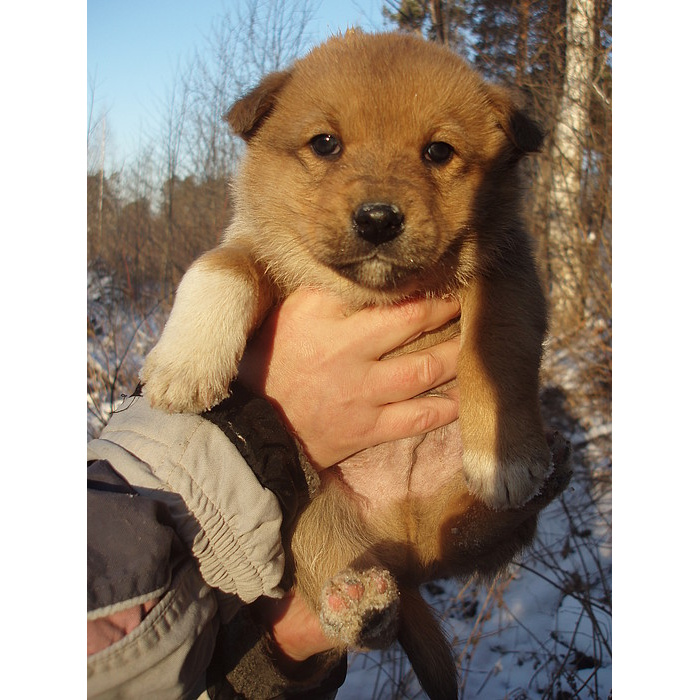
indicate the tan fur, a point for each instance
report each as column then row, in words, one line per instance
column 386, row 97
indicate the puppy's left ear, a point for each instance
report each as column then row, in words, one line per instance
column 248, row 113
column 523, row 132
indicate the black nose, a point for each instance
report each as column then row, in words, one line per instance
column 378, row 223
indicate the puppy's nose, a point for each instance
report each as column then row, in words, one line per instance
column 378, row 223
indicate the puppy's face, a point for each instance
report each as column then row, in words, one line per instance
column 380, row 164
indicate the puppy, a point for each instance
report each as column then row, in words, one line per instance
column 382, row 167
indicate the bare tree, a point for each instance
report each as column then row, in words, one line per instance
column 273, row 33
column 96, row 121
column 259, row 38
column 96, row 129
column 175, row 113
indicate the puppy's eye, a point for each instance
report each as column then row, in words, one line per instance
column 325, row 145
column 438, row 152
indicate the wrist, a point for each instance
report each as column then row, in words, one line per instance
column 293, row 629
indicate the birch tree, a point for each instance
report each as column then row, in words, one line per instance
column 566, row 237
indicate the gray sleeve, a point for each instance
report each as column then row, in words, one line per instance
column 221, row 512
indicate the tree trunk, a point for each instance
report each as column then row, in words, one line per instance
column 438, row 21
column 566, row 237
column 101, row 195
column 522, row 62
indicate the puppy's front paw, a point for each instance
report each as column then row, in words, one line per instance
column 187, row 383
column 361, row 608
column 216, row 308
column 509, row 481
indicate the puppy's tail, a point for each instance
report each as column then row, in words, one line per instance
column 426, row 647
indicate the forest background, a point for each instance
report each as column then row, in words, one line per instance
column 148, row 220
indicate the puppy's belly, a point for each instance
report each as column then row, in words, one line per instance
column 415, row 467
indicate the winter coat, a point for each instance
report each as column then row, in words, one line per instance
column 191, row 510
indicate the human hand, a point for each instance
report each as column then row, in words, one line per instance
column 323, row 371
column 105, row 631
column 294, row 628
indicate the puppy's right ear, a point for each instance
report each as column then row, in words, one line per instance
column 248, row 113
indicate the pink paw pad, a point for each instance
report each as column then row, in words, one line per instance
column 344, row 596
column 361, row 608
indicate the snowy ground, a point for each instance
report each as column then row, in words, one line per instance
column 543, row 631
column 119, row 336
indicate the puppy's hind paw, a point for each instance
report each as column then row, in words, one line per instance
column 361, row 608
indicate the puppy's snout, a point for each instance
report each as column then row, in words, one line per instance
column 377, row 223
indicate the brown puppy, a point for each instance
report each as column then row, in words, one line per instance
column 381, row 167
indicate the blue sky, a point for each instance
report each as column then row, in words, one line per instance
column 134, row 46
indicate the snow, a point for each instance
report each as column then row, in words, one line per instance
column 534, row 640
column 119, row 337
column 542, row 631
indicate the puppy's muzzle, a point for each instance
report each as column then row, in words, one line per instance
column 377, row 223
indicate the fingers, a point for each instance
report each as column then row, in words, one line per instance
column 416, row 416
column 374, row 330
column 384, row 328
column 405, row 376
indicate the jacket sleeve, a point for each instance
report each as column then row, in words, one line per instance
column 219, row 508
